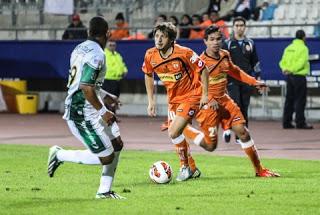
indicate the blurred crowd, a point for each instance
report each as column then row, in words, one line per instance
column 189, row 26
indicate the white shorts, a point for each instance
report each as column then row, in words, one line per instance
column 96, row 135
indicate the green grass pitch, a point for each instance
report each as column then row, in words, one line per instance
column 227, row 186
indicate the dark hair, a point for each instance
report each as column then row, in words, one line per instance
column 211, row 29
column 197, row 16
column 98, row 27
column 188, row 17
column 239, row 18
column 167, row 28
column 119, row 16
column 164, row 17
column 300, row 34
column 175, row 19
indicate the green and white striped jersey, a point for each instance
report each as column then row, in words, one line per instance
column 87, row 66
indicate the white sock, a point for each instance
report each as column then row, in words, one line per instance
column 108, row 172
column 78, row 156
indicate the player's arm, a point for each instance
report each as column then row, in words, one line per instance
column 205, row 84
column 149, row 82
column 89, row 93
column 238, row 74
column 87, row 85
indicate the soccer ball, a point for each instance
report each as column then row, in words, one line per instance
column 160, row 172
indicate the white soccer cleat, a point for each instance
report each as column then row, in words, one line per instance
column 109, row 195
column 53, row 162
column 184, row 174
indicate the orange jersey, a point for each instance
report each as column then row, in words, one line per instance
column 179, row 73
column 218, row 71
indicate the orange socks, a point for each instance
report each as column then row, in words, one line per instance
column 182, row 151
column 251, row 151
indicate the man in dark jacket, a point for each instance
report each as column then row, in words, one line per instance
column 76, row 30
column 243, row 54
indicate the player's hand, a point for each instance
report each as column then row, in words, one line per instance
column 152, row 109
column 109, row 117
column 203, row 101
column 262, row 87
column 213, row 104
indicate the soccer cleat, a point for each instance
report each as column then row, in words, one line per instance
column 227, row 135
column 53, row 162
column 109, row 195
column 196, row 173
column 184, row 174
column 265, row 173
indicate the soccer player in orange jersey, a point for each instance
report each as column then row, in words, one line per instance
column 180, row 70
column 227, row 112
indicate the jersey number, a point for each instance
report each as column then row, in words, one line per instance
column 72, row 75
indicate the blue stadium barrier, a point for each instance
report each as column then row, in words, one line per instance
column 50, row 59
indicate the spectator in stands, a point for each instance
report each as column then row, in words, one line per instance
column 116, row 69
column 121, row 30
column 243, row 9
column 216, row 20
column 267, row 11
column 206, row 21
column 160, row 19
column 197, row 30
column 186, row 22
column 215, row 5
column 174, row 20
column 76, row 30
column 243, row 54
column 295, row 65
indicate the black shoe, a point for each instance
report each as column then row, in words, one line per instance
column 305, row 126
column 289, row 126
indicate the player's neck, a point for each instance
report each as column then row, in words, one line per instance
column 165, row 53
column 213, row 54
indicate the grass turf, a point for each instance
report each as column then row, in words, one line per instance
column 227, row 186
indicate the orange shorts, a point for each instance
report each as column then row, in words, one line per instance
column 185, row 110
column 208, row 121
column 229, row 113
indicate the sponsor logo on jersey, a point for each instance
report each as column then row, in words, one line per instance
column 179, row 110
column 218, row 79
column 200, row 63
column 153, row 63
column 170, row 77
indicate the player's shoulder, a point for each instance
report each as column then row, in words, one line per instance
column 151, row 51
column 224, row 53
column 181, row 49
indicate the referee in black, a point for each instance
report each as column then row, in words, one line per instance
column 243, row 54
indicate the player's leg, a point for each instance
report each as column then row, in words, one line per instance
column 289, row 104
column 250, row 149
column 108, row 171
column 178, row 122
column 206, row 137
column 100, row 150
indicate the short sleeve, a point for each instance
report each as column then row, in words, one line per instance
column 194, row 62
column 91, row 70
column 146, row 67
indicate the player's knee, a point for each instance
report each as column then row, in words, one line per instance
column 209, row 145
column 107, row 160
column 117, row 144
column 173, row 133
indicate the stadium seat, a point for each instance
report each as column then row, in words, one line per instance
column 314, row 12
column 279, row 13
column 291, row 12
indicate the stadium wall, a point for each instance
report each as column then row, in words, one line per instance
column 50, row 59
